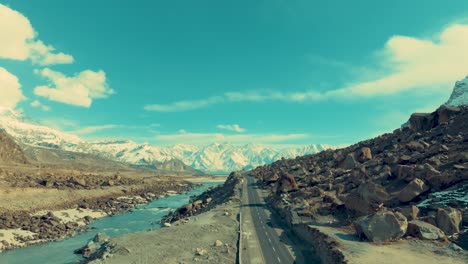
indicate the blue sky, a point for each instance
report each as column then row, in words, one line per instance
column 273, row 72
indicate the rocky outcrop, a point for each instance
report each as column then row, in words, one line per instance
column 381, row 226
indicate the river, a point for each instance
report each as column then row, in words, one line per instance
column 141, row 218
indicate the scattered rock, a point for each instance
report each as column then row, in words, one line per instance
column 423, row 230
column 449, row 220
column 381, row 226
column 410, row 212
column 218, row 243
column 411, row 191
column 101, row 237
column 200, row 252
column 364, row 154
column 367, row 198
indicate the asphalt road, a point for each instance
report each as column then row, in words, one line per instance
column 265, row 225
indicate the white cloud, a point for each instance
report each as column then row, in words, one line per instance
column 19, row 41
column 206, row 138
column 37, row 103
column 419, row 63
column 234, row 127
column 184, row 105
column 79, row 90
column 408, row 63
column 10, row 89
column 93, row 129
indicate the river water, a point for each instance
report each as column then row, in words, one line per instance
column 142, row 218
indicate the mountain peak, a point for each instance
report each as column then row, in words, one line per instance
column 459, row 96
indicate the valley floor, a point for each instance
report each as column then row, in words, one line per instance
column 39, row 205
column 184, row 242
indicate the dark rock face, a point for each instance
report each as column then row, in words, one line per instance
column 381, row 226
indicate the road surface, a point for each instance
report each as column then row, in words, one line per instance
column 261, row 241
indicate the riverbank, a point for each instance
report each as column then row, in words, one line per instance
column 31, row 215
column 207, row 232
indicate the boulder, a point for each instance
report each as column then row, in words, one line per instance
column 364, row 154
column 449, row 220
column 200, row 252
column 423, row 230
column 218, row 243
column 415, row 146
column 405, row 172
column 101, row 237
column 411, row 191
column 445, row 113
column 421, row 122
column 286, row 183
column 381, row 226
column 271, row 177
column 410, row 212
column 367, row 198
column 79, row 181
column 349, row 162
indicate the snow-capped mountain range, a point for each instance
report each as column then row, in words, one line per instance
column 212, row 158
column 459, row 95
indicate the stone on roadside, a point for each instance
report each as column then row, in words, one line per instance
column 381, row 226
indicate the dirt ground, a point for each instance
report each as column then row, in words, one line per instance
column 180, row 242
column 403, row 251
column 20, row 193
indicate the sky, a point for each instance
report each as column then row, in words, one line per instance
column 260, row 71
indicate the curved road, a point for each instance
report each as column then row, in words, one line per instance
column 261, row 241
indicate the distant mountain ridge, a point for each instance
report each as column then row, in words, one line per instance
column 219, row 158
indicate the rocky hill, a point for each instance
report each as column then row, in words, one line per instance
column 409, row 183
column 10, row 152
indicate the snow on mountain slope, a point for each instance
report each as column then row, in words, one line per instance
column 459, row 95
column 213, row 158
column 25, row 131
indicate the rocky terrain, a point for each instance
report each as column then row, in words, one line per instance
column 207, row 200
column 205, row 230
column 409, row 184
column 43, row 201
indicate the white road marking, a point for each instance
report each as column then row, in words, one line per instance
column 279, row 260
